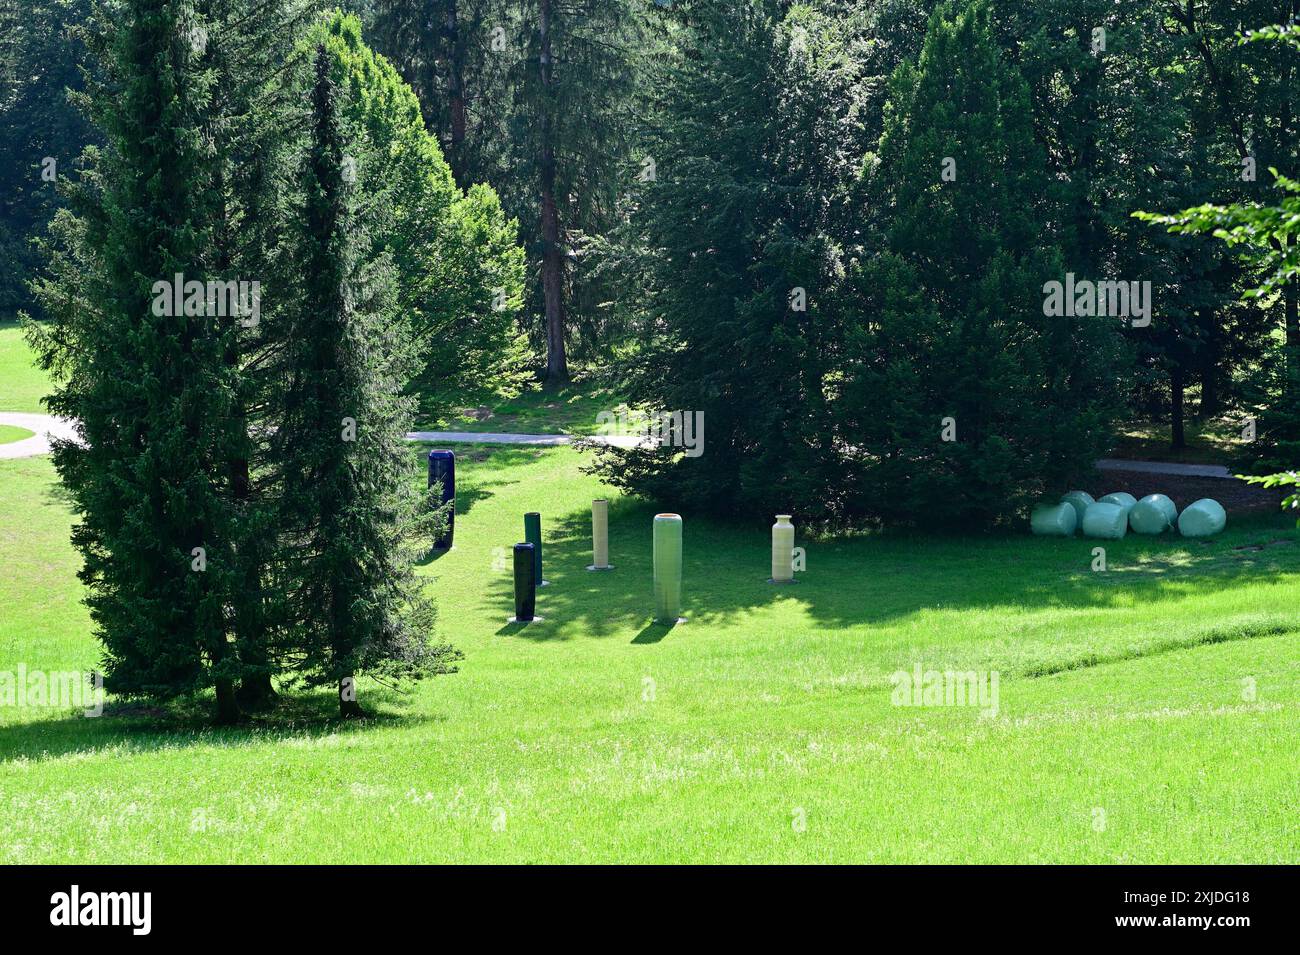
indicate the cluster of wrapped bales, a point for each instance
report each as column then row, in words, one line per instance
column 1111, row 517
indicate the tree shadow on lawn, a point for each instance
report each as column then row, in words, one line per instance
column 875, row 579
column 479, row 482
column 136, row 728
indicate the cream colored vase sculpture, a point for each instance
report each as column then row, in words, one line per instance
column 600, row 535
column 782, row 550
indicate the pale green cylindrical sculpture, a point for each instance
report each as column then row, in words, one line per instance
column 782, row 550
column 668, row 567
column 600, row 535
column 1107, row 521
column 1079, row 500
column 1203, row 518
column 1053, row 520
column 1154, row 514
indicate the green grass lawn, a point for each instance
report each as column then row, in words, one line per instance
column 22, row 385
column 540, row 409
column 760, row 731
column 10, row 433
column 1208, row 442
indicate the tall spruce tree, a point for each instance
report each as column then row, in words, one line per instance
column 962, row 401
column 740, row 249
column 143, row 366
column 350, row 514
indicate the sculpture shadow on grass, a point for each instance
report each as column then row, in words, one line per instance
column 875, row 579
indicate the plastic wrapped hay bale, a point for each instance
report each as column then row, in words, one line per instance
column 1079, row 500
column 1107, row 521
column 1123, row 498
column 1203, row 518
column 1154, row 514
column 1150, row 516
column 1053, row 520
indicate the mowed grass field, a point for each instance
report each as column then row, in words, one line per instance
column 760, row 731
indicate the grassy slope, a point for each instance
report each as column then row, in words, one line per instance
column 1208, row 442
column 539, row 410
column 768, row 703
column 21, row 385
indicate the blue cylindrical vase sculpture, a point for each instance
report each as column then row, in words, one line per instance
column 442, row 467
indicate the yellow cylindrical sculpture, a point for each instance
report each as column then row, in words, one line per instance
column 782, row 550
column 600, row 535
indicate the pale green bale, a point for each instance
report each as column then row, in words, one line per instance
column 1149, row 517
column 1079, row 500
column 1053, row 520
column 1123, row 498
column 1166, row 505
column 1107, row 521
column 1203, row 518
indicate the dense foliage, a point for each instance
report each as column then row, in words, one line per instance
column 265, row 259
column 829, row 226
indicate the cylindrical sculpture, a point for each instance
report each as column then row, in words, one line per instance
column 782, row 550
column 1053, row 520
column 442, row 467
column 1203, row 518
column 1154, row 514
column 668, row 567
column 1107, row 521
column 600, row 535
column 525, row 584
column 533, row 534
column 1079, row 500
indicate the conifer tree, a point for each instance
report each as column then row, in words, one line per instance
column 143, row 367
column 350, row 514
column 738, row 248
column 963, row 401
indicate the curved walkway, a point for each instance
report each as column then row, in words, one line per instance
column 44, row 428
column 47, row 427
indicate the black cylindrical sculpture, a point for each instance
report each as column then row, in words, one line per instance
column 533, row 534
column 442, row 467
column 525, row 584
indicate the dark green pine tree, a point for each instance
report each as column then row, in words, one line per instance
column 738, row 250
column 149, row 383
column 246, row 44
column 39, row 59
column 351, row 516
column 954, row 325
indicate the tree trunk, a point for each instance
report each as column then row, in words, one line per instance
column 1292, row 320
column 455, row 93
column 1176, row 387
column 227, row 706
column 255, row 690
column 349, row 708
column 1211, row 404
column 557, row 366
column 1211, row 358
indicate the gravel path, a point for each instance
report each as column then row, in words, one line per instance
column 1161, row 467
column 43, row 426
column 1183, row 482
column 46, row 427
